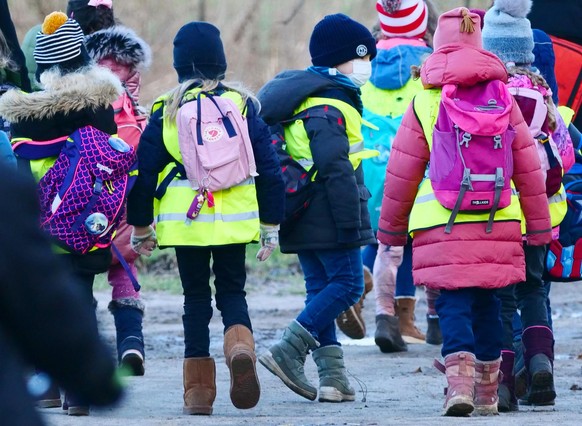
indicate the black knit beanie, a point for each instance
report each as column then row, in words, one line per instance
column 198, row 52
column 337, row 39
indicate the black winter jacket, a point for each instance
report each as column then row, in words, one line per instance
column 337, row 216
column 153, row 157
column 44, row 320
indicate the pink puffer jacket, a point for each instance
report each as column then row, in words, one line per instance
column 468, row 257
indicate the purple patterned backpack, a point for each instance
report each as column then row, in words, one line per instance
column 471, row 159
column 83, row 194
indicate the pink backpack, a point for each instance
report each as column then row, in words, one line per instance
column 216, row 148
column 535, row 112
column 471, row 161
column 130, row 124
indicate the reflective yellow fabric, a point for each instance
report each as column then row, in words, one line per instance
column 390, row 103
column 233, row 219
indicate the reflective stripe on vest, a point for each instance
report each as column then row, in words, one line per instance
column 234, row 219
column 427, row 212
column 298, row 141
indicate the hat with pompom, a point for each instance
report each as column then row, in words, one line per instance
column 403, row 18
column 60, row 44
column 507, row 32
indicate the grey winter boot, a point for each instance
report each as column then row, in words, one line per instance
column 286, row 358
column 334, row 385
column 387, row 336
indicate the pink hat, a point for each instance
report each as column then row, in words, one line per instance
column 405, row 18
column 460, row 27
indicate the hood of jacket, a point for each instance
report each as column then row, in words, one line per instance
column 120, row 44
column 391, row 67
column 281, row 96
column 461, row 65
column 91, row 87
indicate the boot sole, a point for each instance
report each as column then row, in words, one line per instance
column 331, row 394
column 49, row 403
column 387, row 346
column 197, row 410
column 542, row 390
column 245, row 389
column 78, row 411
column 486, row 410
column 413, row 340
column 459, row 407
column 352, row 326
column 134, row 363
column 270, row 364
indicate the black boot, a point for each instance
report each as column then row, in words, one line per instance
column 387, row 336
column 128, row 315
column 538, row 345
column 433, row 332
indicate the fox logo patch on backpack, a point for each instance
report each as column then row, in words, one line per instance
column 216, row 148
column 82, row 196
column 471, row 161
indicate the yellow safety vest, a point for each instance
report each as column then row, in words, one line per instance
column 298, row 141
column 427, row 212
column 390, row 103
column 234, row 218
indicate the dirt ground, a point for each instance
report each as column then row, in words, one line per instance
column 397, row 389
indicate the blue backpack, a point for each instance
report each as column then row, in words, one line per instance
column 378, row 132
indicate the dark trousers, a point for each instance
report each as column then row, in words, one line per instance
column 229, row 280
column 530, row 297
column 469, row 320
column 85, row 267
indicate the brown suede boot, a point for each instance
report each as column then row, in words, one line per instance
column 405, row 313
column 351, row 322
column 459, row 368
column 199, row 385
column 486, row 383
column 239, row 351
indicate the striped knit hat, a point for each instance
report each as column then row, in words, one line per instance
column 403, row 18
column 60, row 43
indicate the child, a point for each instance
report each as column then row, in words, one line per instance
column 221, row 225
column 470, row 257
column 507, row 33
column 328, row 236
column 401, row 44
column 76, row 94
column 126, row 55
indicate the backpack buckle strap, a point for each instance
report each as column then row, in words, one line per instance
column 499, row 184
column 466, row 139
column 497, row 142
column 465, row 186
column 97, row 190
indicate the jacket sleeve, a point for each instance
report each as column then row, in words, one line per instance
column 152, row 157
column 41, row 310
column 406, row 168
column 269, row 182
column 529, row 182
column 330, row 147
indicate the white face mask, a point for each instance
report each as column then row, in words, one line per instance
column 361, row 72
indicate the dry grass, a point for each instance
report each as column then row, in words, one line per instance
column 261, row 37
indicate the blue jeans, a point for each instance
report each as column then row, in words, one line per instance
column 334, row 281
column 470, row 322
column 404, row 283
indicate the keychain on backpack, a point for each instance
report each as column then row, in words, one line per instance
column 198, row 203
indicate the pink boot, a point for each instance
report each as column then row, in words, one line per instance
column 460, row 371
column 486, row 382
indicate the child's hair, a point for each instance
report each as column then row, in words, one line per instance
column 5, row 61
column 176, row 95
column 92, row 18
column 539, row 80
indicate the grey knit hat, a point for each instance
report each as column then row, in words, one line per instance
column 507, row 32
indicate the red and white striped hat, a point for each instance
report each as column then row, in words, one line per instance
column 409, row 20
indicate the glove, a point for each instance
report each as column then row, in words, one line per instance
column 269, row 241
column 143, row 240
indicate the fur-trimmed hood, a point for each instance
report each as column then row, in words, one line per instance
column 92, row 87
column 121, row 44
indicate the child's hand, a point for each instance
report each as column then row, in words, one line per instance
column 143, row 240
